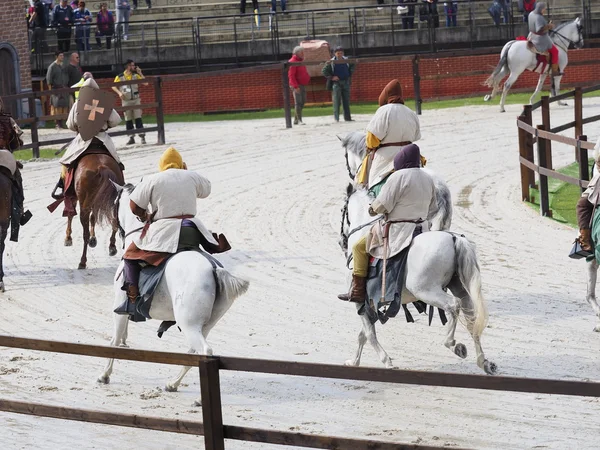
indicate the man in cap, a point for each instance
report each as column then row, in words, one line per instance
column 130, row 96
column 338, row 81
column 173, row 226
column 539, row 37
column 90, row 117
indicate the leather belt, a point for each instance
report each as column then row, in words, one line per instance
column 395, row 144
column 151, row 219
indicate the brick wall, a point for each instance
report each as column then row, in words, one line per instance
column 443, row 77
column 13, row 29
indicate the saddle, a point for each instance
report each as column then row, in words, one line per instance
column 543, row 58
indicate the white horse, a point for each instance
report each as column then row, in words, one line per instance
column 437, row 260
column 515, row 58
column 189, row 293
column 592, row 269
column 355, row 147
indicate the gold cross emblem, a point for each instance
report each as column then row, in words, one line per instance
column 93, row 108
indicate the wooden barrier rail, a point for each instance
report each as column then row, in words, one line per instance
column 213, row 429
column 543, row 135
column 33, row 119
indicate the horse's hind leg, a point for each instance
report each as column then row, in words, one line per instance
column 93, row 241
column 538, row 88
column 68, row 237
column 119, row 337
column 466, row 306
column 112, row 246
column 173, row 385
column 592, row 268
column 507, row 85
column 85, row 223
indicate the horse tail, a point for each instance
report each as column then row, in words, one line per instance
column 229, row 288
column 494, row 78
column 104, row 200
column 470, row 277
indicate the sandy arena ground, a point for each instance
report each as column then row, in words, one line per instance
column 277, row 195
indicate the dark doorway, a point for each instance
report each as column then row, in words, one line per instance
column 8, row 82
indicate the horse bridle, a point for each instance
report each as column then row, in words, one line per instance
column 348, row 164
column 571, row 42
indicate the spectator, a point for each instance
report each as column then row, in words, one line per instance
column 73, row 72
column 48, row 10
column 274, row 5
column 148, row 4
column 526, row 7
column 243, row 6
column 82, row 18
column 123, row 11
column 500, row 7
column 105, row 26
column 298, row 77
column 63, row 18
column 74, row 5
column 339, row 78
column 429, row 12
column 408, row 14
column 39, row 24
column 130, row 95
column 451, row 9
column 56, row 78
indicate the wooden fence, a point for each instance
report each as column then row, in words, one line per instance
column 212, row 427
column 543, row 135
column 33, row 120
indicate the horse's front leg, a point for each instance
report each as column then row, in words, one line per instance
column 592, row 268
column 3, row 232
column 85, row 223
column 93, row 241
column 362, row 339
column 371, row 335
column 68, row 237
column 538, row 88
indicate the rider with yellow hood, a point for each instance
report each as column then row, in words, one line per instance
column 166, row 202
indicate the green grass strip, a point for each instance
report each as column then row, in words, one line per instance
column 27, row 155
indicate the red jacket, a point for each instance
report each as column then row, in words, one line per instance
column 298, row 75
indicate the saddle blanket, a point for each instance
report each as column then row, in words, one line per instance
column 595, row 236
column 151, row 276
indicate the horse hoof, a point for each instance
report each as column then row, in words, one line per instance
column 170, row 388
column 489, row 367
column 502, row 110
column 68, row 242
column 112, row 251
column 350, row 362
column 596, row 328
column 460, row 350
column 93, row 242
column 2, row 287
column 563, row 103
column 81, row 266
column 487, row 98
column 103, row 379
column 197, row 403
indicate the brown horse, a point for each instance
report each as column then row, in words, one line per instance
column 96, row 196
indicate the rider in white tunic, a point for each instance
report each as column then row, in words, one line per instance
column 392, row 127
column 78, row 145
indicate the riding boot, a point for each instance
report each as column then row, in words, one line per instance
column 556, row 70
column 60, row 185
column 585, row 239
column 358, row 290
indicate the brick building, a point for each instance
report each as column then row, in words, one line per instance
column 15, row 72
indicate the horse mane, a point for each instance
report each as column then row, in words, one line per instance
column 128, row 187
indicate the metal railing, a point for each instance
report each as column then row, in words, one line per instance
column 190, row 41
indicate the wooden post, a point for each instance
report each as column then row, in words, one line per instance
column 526, row 173
column 547, row 127
column 541, row 153
column 584, row 169
column 160, row 118
column 417, row 84
column 578, row 107
column 528, row 119
column 34, row 126
column 285, row 85
column 212, row 414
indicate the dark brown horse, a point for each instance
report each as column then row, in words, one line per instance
column 96, row 196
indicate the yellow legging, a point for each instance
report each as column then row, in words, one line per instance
column 63, row 172
column 361, row 257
